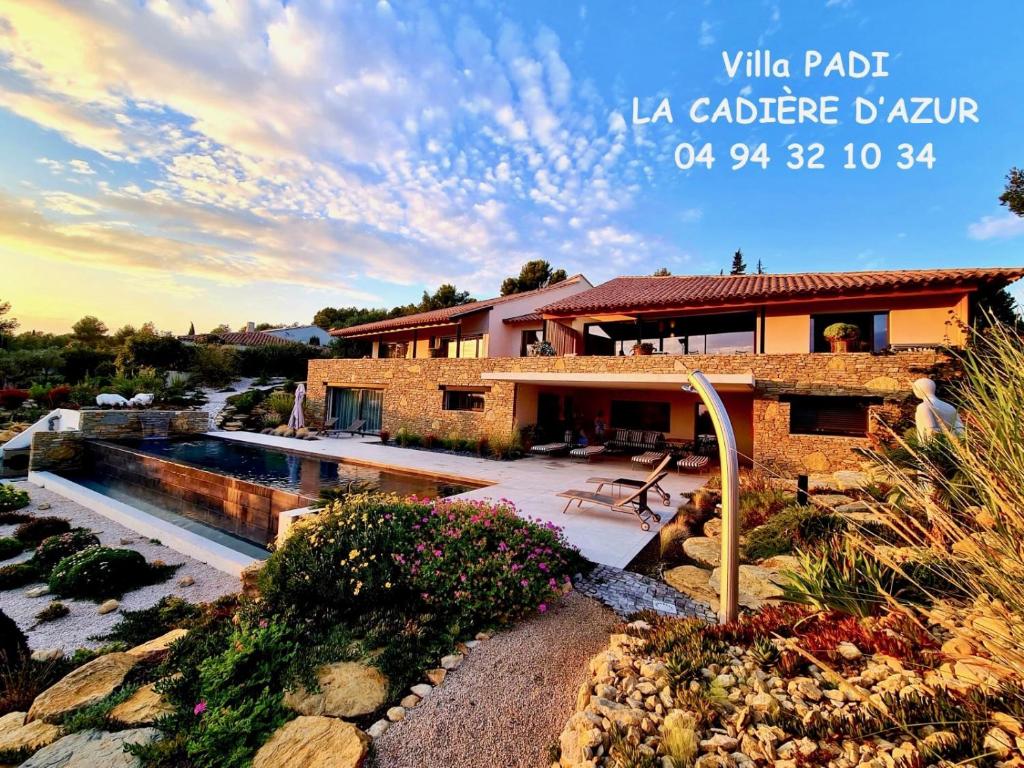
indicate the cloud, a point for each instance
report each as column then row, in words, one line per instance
column 1004, row 226
column 706, row 37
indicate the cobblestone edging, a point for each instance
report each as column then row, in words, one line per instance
column 626, row 593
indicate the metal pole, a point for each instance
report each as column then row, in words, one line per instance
column 730, row 570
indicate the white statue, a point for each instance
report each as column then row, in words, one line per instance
column 934, row 416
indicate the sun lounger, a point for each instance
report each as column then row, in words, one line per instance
column 692, row 461
column 628, row 482
column 632, row 504
column 352, row 429
column 549, row 449
column 649, row 458
column 587, row 452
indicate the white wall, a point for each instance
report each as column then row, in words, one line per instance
column 302, row 333
column 504, row 339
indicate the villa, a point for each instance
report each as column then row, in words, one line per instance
column 620, row 353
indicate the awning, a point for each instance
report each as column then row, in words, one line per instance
column 724, row 382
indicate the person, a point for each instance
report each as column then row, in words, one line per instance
column 599, row 427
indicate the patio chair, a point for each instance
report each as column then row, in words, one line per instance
column 633, row 504
column 629, row 482
column 549, row 449
column 587, row 452
column 355, row 426
column 692, row 461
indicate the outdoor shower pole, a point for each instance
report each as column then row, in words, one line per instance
column 729, row 589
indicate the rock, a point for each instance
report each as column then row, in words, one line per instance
column 395, row 714
column 250, row 578
column 848, row 651
column 108, row 606
column 377, row 729
column 314, row 742
column 91, row 749
column 805, row 688
column 764, row 703
column 422, row 689
column 43, row 505
column 719, row 741
column 436, row 676
column 482, row 636
column 47, row 654
column 831, row 500
column 998, row 742
column 621, row 714
column 694, row 582
column 141, row 708
column 756, row 585
column 157, row 647
column 86, row 685
column 854, row 507
column 347, row 689
column 451, row 661
column 471, row 644
column 186, row 581
column 780, row 563
column 410, row 701
column 713, row 528
column 37, row 591
column 704, row 551
column 18, row 736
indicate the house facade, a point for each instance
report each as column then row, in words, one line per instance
column 624, row 350
column 302, row 334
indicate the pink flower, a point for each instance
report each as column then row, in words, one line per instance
column 199, row 708
column 542, row 608
column 264, row 623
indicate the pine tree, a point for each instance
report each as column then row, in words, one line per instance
column 739, row 267
column 191, row 329
column 760, row 267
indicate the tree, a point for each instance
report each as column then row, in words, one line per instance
column 1013, row 195
column 222, row 328
column 739, row 267
column 122, row 334
column 90, row 331
column 995, row 304
column 345, row 317
column 7, row 325
column 662, row 272
column 534, row 274
column 191, row 329
column 446, row 295
column 760, row 267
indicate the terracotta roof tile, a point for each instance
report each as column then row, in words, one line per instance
column 529, row 317
column 240, row 339
column 630, row 294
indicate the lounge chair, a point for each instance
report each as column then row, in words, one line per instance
column 629, row 482
column 632, row 504
column 549, row 449
column 692, row 461
column 587, row 452
column 352, row 429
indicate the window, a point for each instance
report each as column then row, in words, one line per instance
column 529, row 338
column 724, row 333
column 472, row 346
column 874, row 330
column 631, row 414
column 463, row 400
column 842, row 416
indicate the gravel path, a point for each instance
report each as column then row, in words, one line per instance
column 73, row 631
column 509, row 700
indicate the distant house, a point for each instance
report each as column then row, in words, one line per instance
column 302, row 334
column 236, row 339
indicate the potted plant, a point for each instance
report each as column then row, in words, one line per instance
column 842, row 336
column 643, row 348
column 542, row 349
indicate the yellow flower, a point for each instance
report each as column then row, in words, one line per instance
column 353, row 554
column 387, row 585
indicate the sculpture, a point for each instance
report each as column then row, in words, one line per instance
column 934, row 416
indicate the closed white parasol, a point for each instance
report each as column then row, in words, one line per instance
column 297, row 420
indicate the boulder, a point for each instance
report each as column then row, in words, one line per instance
column 831, row 500
column 91, row 749
column 713, row 528
column 347, row 689
column 17, row 736
column 452, row 661
column 704, row 551
column 757, row 585
column 86, row 685
column 108, row 606
column 157, row 647
column 314, row 742
column 694, row 582
column 436, row 676
column 141, row 708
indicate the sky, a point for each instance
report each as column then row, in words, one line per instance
column 219, row 162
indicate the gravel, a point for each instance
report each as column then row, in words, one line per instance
column 73, row 631
column 508, row 702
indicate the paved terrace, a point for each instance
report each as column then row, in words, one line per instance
column 605, row 537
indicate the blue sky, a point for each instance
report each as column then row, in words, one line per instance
column 220, row 162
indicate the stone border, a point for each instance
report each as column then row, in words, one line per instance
column 627, row 593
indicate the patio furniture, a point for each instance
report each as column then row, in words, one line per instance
column 587, row 452
column 636, row 440
column 649, row 458
column 355, row 426
column 692, row 461
column 629, row 482
column 549, row 449
column 632, row 504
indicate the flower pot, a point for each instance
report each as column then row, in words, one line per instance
column 841, row 345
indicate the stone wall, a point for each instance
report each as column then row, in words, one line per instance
column 56, row 451
column 412, row 395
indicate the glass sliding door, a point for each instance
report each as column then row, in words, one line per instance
column 347, row 405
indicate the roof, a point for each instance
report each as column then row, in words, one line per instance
column 239, row 339
column 445, row 316
column 635, row 294
column 529, row 317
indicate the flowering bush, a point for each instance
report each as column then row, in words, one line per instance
column 11, row 399
column 39, row 528
column 12, row 498
column 102, row 572
column 55, row 548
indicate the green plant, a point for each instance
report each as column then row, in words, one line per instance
column 764, row 652
column 794, row 527
column 385, row 436
column 170, row 612
column 52, row 612
column 17, row 575
column 626, row 750
column 12, row 498
column 679, row 738
column 13, row 518
column 841, row 332
column 97, row 716
column 213, row 365
column 13, row 644
column 101, row 572
column 39, row 528
column 759, row 504
column 53, row 549
column 504, row 444
column 9, row 547
column 280, row 403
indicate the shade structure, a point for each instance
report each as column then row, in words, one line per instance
column 297, row 420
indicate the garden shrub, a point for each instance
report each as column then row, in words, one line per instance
column 52, row 612
column 759, row 504
column 288, row 360
column 13, row 644
column 12, row 399
column 213, row 365
column 17, row 575
column 39, row 528
column 12, row 498
column 102, row 572
column 280, row 403
column 795, row 527
column 53, row 549
column 9, row 547
column 246, row 401
column 170, row 612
